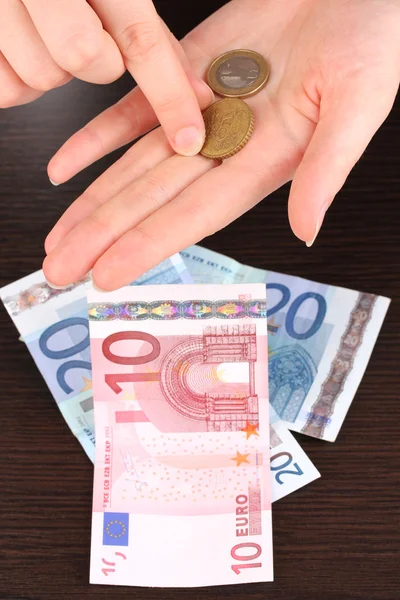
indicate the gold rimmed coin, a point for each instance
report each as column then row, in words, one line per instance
column 229, row 125
column 238, row 73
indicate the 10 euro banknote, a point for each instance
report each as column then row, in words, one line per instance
column 182, row 490
column 320, row 340
column 54, row 325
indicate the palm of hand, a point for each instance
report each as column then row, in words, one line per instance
column 334, row 75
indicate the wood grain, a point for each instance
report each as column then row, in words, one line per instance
column 336, row 539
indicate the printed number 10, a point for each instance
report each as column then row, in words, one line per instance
column 246, row 565
column 114, row 379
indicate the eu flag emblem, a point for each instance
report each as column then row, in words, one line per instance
column 115, row 529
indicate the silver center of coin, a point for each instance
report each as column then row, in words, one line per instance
column 238, row 72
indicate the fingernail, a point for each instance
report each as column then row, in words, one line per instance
column 189, row 141
column 319, row 223
column 53, row 182
column 56, row 287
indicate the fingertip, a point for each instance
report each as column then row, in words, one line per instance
column 54, row 172
column 188, row 141
column 79, row 151
column 59, row 271
column 303, row 231
column 98, row 289
column 306, row 220
column 102, row 279
column 52, row 274
column 50, row 242
column 54, row 286
column 111, row 271
column 304, row 228
column 300, row 217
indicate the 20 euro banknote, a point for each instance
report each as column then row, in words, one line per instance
column 54, row 325
column 320, row 340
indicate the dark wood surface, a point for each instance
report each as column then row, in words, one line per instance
column 336, row 539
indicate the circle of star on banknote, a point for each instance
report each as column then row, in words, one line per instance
column 229, row 124
column 238, row 73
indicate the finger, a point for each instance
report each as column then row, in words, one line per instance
column 13, row 91
column 137, row 161
column 77, row 253
column 75, row 38
column 25, row 50
column 349, row 117
column 154, row 64
column 188, row 54
column 206, row 206
column 120, row 124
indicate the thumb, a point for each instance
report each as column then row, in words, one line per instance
column 349, row 117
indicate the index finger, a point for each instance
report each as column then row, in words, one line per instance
column 156, row 67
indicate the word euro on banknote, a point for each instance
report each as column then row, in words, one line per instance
column 54, row 325
column 182, row 489
column 320, row 340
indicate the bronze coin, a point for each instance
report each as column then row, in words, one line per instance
column 229, row 125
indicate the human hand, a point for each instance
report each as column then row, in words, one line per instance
column 334, row 75
column 44, row 43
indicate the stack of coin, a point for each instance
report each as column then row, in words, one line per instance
column 229, row 122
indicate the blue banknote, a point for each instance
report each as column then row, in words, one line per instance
column 320, row 340
column 54, row 326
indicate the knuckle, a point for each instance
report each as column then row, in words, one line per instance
column 169, row 102
column 81, row 51
column 89, row 134
column 90, row 197
column 99, row 227
column 129, row 114
column 148, row 243
column 153, row 189
column 139, row 40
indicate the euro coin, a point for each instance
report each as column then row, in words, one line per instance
column 229, row 125
column 238, row 73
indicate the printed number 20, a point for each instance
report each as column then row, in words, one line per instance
column 294, row 307
column 66, row 352
column 281, row 468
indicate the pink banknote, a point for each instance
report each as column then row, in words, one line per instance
column 182, row 487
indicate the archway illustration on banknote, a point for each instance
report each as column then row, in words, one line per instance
column 190, row 383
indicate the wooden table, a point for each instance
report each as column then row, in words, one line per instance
column 336, row 539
